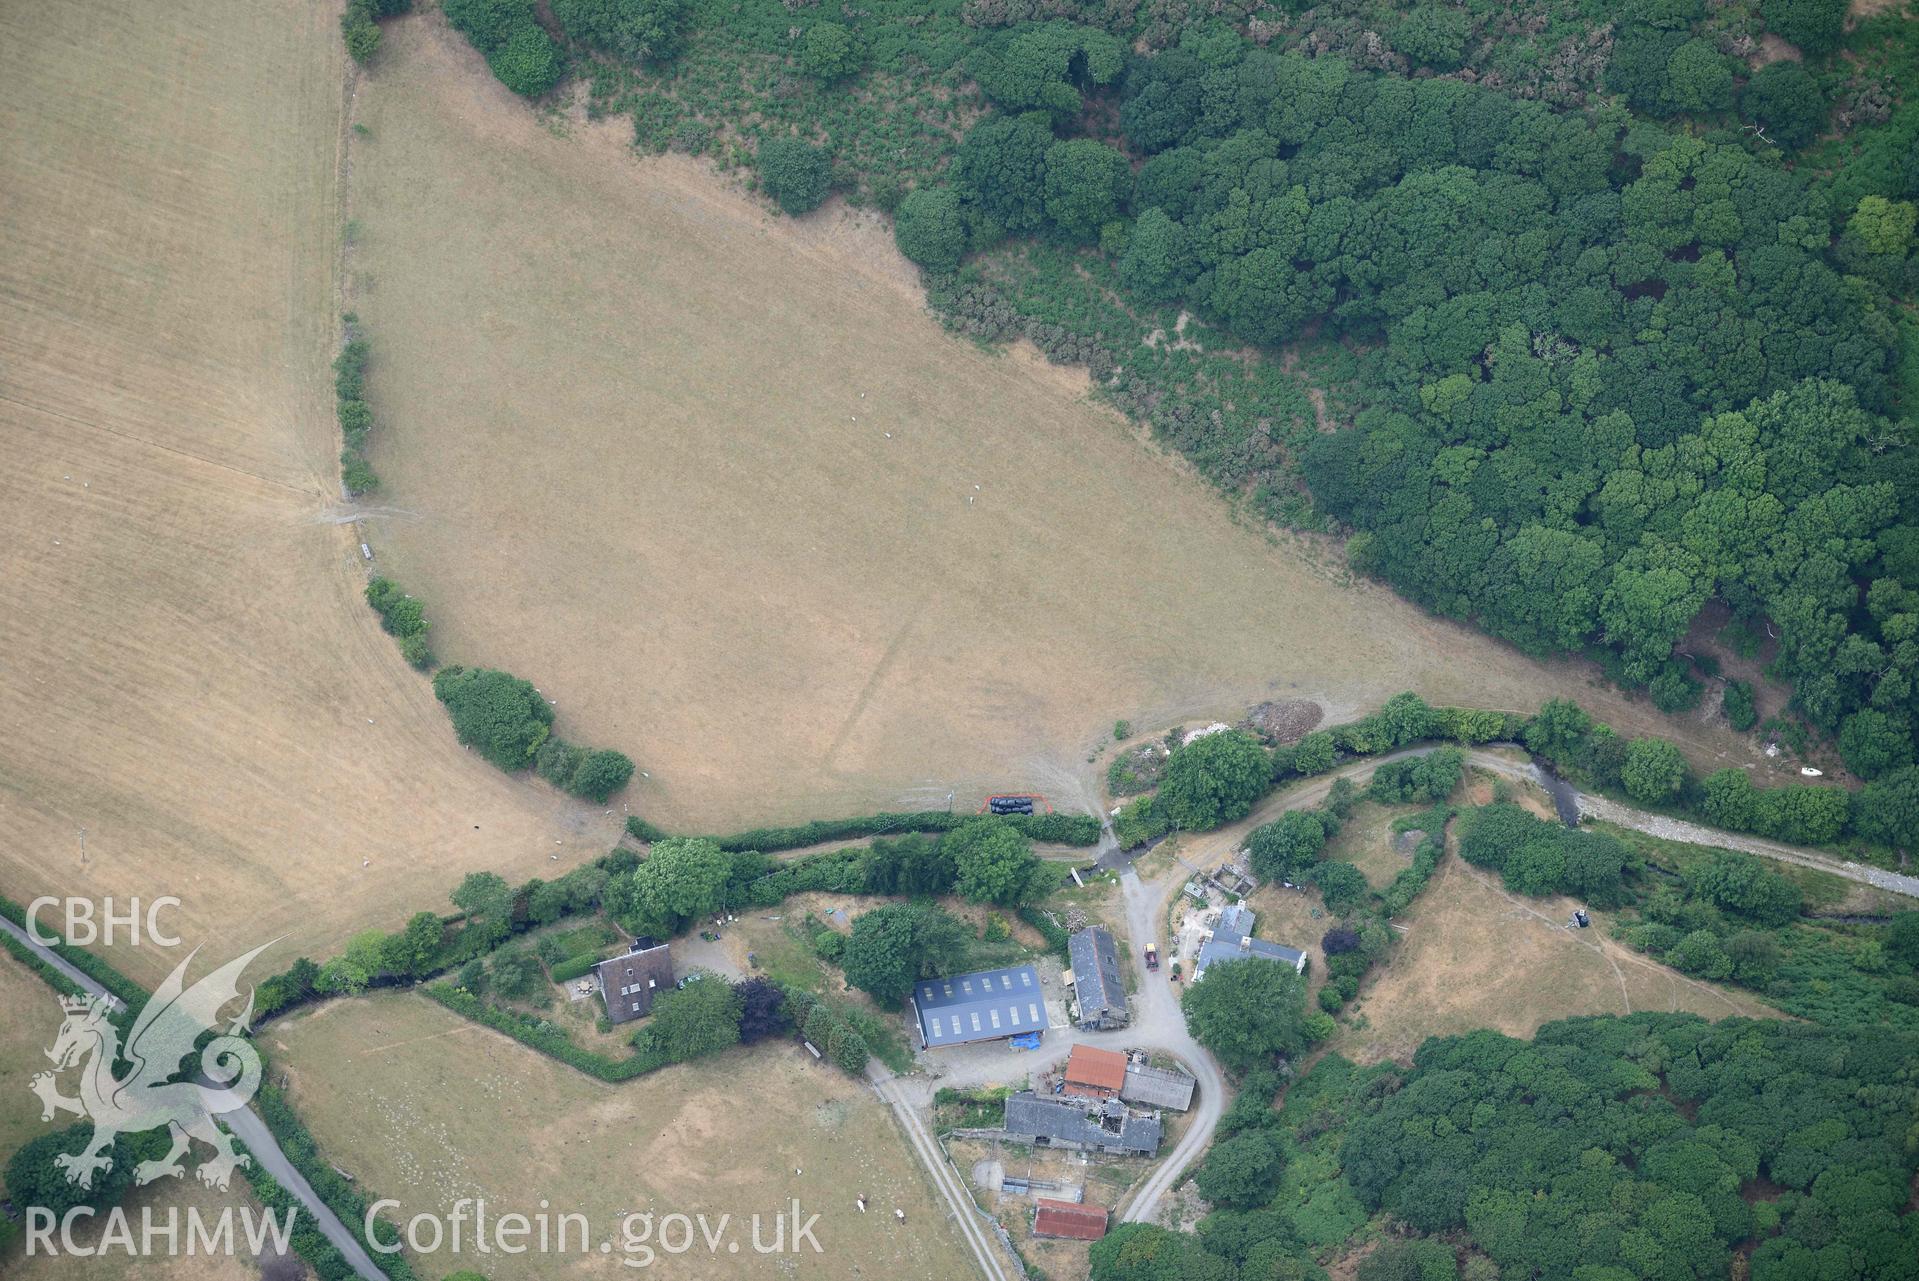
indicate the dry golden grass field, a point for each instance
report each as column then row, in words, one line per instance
column 425, row 1107
column 190, row 677
column 718, row 483
column 1475, row 956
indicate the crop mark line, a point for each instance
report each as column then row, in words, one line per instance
column 873, row 681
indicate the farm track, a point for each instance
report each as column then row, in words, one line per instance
column 1675, row 829
column 946, row 1180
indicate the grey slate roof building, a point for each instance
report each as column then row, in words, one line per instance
column 629, row 983
column 1097, row 986
column 1083, row 1125
column 1157, row 1088
column 986, row 1006
column 1233, row 940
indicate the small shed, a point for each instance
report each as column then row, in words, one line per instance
column 1068, row 1221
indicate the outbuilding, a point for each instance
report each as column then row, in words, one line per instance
column 1094, row 1074
column 1070, row 1222
column 1157, row 1087
column 987, row 1006
column 1099, row 991
column 1081, row 1125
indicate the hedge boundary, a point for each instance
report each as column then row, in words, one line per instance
column 535, row 1034
column 1056, row 829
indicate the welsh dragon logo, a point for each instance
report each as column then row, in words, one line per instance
column 146, row 1097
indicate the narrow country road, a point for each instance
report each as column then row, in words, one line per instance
column 1207, row 849
column 966, row 1213
column 65, row 968
column 247, row 1126
column 1674, row 829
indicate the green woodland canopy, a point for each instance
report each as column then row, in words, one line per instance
column 1604, row 1149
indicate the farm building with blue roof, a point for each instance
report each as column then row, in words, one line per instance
column 986, row 1006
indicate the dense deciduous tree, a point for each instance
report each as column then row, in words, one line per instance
column 1001, row 170
column 1045, row 66
column 895, row 945
column 795, row 173
column 1086, row 182
column 1654, row 770
column 1214, row 780
column 993, row 863
column 1813, row 25
column 487, row 901
column 600, row 773
column 763, row 1010
column 1239, row 1172
column 1247, row 1011
column 1285, row 848
column 829, row 52
column 682, row 879
column 645, row 30
column 1784, row 99
column 700, row 1017
column 500, row 715
column 930, row 228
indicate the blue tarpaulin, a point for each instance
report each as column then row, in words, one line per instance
column 1030, row 1041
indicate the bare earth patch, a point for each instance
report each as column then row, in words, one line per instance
column 1367, row 842
column 1286, row 721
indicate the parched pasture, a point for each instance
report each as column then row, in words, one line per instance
column 421, row 1106
column 195, row 701
column 1474, row 956
column 726, row 490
